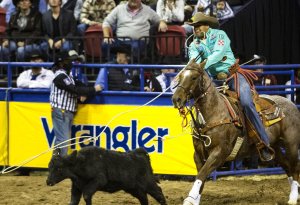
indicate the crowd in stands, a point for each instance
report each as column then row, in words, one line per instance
column 47, row 26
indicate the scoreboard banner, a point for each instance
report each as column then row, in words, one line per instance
column 116, row 127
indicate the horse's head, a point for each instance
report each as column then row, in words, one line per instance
column 189, row 81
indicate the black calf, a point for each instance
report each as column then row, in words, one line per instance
column 94, row 168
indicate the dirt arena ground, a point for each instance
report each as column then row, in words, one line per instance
column 259, row 190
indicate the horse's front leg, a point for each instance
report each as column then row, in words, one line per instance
column 215, row 159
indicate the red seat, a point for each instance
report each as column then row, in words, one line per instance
column 2, row 21
column 93, row 41
column 171, row 43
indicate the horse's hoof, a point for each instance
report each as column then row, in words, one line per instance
column 191, row 201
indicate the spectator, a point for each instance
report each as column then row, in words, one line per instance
column 188, row 13
column 73, row 5
column 9, row 7
column 296, row 91
column 76, row 70
column 163, row 78
column 132, row 20
column 151, row 83
column 63, row 98
column 58, row 26
column 120, row 79
column 217, row 8
column 223, row 10
column 93, row 13
column 36, row 77
column 203, row 6
column 171, row 11
column 263, row 79
column 23, row 25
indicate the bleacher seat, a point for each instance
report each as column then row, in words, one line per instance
column 171, row 43
column 93, row 39
column 2, row 21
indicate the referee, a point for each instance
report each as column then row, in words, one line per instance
column 64, row 95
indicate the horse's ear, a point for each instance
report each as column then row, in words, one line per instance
column 202, row 64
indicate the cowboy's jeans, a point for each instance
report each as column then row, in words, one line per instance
column 249, row 107
column 62, row 123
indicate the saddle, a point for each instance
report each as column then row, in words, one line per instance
column 267, row 109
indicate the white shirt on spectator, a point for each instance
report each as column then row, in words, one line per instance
column 289, row 96
column 162, row 79
column 170, row 15
column 43, row 80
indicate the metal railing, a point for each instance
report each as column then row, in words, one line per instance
column 287, row 70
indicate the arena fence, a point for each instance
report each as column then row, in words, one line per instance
column 10, row 95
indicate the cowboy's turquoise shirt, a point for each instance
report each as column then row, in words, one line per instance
column 216, row 49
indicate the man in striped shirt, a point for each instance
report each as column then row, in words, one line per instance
column 64, row 96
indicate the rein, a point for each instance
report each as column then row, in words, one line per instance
column 197, row 126
column 249, row 75
column 204, row 93
column 201, row 128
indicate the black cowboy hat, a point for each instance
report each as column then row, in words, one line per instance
column 71, row 55
column 15, row 2
column 200, row 18
column 122, row 48
column 34, row 55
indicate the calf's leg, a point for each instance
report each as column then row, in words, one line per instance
column 92, row 186
column 140, row 195
column 75, row 195
column 155, row 191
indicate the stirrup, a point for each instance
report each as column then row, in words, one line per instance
column 261, row 147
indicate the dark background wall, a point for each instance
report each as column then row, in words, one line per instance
column 267, row 27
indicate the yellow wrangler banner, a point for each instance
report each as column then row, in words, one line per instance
column 157, row 128
column 3, row 134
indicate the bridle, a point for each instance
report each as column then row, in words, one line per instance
column 200, row 128
column 203, row 91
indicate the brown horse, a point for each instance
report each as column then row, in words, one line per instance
column 194, row 83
